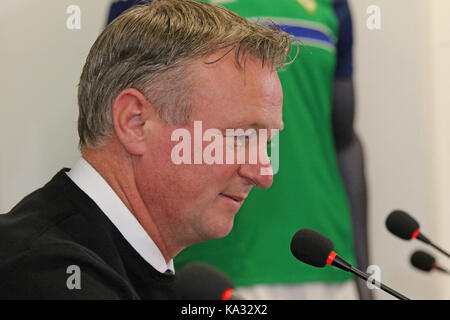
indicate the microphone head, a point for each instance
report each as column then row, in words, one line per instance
column 422, row 260
column 311, row 247
column 198, row 281
column 401, row 224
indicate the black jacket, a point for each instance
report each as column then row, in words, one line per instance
column 59, row 226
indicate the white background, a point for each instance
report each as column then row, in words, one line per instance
column 402, row 76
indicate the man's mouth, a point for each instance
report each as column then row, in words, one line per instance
column 237, row 198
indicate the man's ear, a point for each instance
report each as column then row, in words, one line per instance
column 132, row 114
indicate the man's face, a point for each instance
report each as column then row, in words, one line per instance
column 198, row 202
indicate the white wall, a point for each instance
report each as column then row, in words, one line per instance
column 41, row 62
column 397, row 79
column 439, row 49
column 401, row 76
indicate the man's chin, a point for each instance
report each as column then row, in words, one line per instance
column 218, row 229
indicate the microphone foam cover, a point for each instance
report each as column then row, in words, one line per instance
column 422, row 260
column 311, row 247
column 401, row 224
column 198, row 281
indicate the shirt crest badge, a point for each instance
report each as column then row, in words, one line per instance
column 309, row 5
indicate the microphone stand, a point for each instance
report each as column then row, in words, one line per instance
column 383, row 287
column 344, row 265
column 439, row 249
column 424, row 239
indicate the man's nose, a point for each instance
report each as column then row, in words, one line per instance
column 260, row 174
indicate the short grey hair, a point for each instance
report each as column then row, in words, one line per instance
column 148, row 48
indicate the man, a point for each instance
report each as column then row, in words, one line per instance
column 320, row 183
column 110, row 227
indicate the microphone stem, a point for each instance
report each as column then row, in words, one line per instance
column 383, row 287
column 439, row 249
column 442, row 270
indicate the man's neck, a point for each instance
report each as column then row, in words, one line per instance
column 116, row 168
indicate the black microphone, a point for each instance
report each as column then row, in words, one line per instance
column 313, row 248
column 425, row 262
column 406, row 227
column 198, row 281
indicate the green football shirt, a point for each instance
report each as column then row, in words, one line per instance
column 307, row 191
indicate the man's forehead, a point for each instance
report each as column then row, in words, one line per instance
column 252, row 79
column 224, row 63
column 227, row 56
column 234, row 97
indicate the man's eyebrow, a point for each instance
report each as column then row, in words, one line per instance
column 256, row 125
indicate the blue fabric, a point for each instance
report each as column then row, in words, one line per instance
column 120, row 6
column 304, row 32
column 344, row 67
